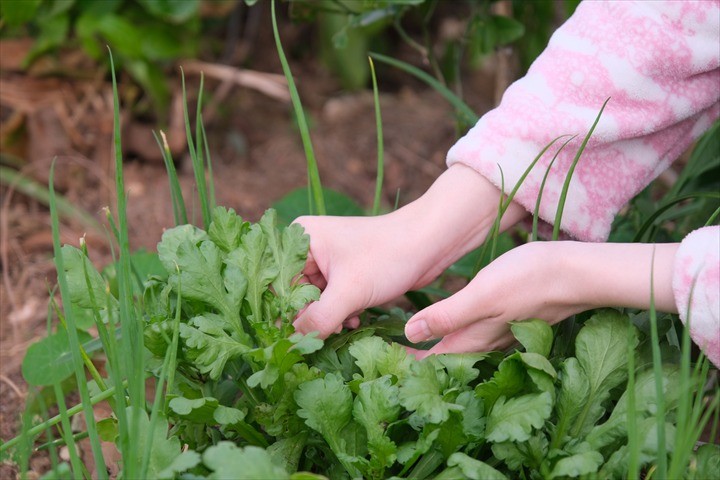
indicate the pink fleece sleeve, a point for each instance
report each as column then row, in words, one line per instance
column 659, row 64
column 696, row 285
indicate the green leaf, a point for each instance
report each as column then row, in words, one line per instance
column 508, row 380
column 573, row 395
column 422, row 391
column 289, row 249
column 601, row 349
column 205, row 410
column 211, row 347
column 295, row 204
column 514, row 419
column 227, row 460
column 75, row 263
column 367, row 352
column 377, row 405
column 163, row 449
column 474, row 469
column 707, row 461
column 280, row 357
column 460, row 367
column 535, row 335
column 49, row 360
column 17, row 13
column 182, row 463
column 326, row 405
column 175, row 11
column 257, row 264
column 227, row 228
column 577, row 465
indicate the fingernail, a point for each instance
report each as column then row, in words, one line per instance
column 417, row 330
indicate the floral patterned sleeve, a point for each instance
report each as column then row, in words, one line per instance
column 658, row 63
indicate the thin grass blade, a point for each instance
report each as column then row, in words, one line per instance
column 315, row 184
column 536, row 212
column 571, row 170
column 658, row 374
column 380, row 146
column 179, row 211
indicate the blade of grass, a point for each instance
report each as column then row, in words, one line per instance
column 66, row 432
column 536, row 216
column 196, row 156
column 495, row 229
column 380, row 147
column 713, row 217
column 72, row 334
column 132, row 340
column 13, row 179
column 571, row 170
column 208, row 164
column 462, row 108
column 658, row 374
column 633, row 443
column 312, row 168
column 179, row 211
column 641, row 233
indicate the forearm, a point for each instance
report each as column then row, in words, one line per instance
column 618, row 274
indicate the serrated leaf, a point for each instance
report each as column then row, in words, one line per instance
column 577, row 465
column 377, row 404
column 205, row 410
column 211, row 346
column 325, row 404
column 171, row 240
column 474, row 469
column 515, row 419
column 422, row 391
column 535, row 335
column 227, row 460
column 227, row 228
column 573, row 394
column 279, row 357
column 460, row 367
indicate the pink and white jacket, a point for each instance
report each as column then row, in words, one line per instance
column 659, row 63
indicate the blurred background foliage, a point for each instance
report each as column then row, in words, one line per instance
column 149, row 36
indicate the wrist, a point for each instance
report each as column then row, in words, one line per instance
column 452, row 217
column 619, row 274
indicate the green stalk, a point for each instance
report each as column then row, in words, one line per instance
column 132, row 340
column 633, row 443
column 312, row 168
column 641, row 233
column 179, row 211
column 713, row 217
column 72, row 333
column 66, row 432
column 504, row 206
column 534, row 236
column 658, row 373
column 208, row 164
column 380, row 147
column 566, row 185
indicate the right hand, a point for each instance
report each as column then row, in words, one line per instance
column 360, row 262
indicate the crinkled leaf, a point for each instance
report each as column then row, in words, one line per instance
column 287, row 451
column 182, row 463
column 535, row 335
column 367, row 351
column 227, row 460
column 281, row 356
column 211, row 346
column 514, row 419
column 325, row 404
column 461, row 368
column 422, row 391
column 289, row 248
column 257, row 264
column 377, row 404
column 474, row 469
column 171, row 240
column 227, row 228
column 577, row 465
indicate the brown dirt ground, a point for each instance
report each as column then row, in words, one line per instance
column 257, row 155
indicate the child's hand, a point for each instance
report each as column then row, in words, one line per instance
column 361, row 262
column 547, row 280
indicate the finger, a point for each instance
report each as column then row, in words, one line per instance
column 327, row 314
column 447, row 316
column 352, row 323
column 477, row 338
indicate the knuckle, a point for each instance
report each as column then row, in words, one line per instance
column 441, row 322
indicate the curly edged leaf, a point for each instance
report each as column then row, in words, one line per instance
column 209, row 344
column 227, row 460
column 279, row 357
column 227, row 228
column 515, row 419
column 423, row 391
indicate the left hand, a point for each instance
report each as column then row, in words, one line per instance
column 546, row 280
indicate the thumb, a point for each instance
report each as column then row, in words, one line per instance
column 446, row 316
column 325, row 315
